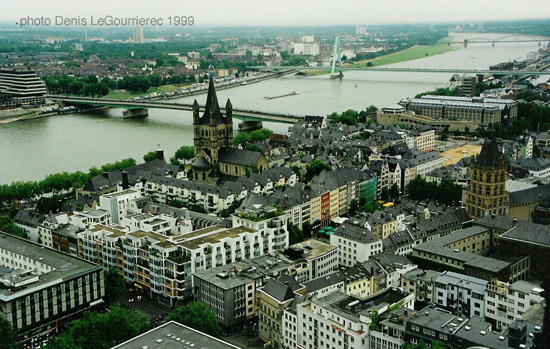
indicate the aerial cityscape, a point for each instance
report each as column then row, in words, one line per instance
column 295, row 174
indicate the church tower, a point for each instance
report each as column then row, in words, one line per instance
column 211, row 132
column 487, row 194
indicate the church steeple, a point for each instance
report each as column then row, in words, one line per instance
column 212, row 114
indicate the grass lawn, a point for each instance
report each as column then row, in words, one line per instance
column 409, row 54
column 316, row 72
column 163, row 88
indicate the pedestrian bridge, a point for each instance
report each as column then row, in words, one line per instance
column 241, row 114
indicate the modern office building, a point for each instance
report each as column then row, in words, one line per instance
column 19, row 88
column 40, row 287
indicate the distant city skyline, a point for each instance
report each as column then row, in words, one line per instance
column 287, row 12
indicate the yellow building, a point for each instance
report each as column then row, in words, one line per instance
column 487, row 194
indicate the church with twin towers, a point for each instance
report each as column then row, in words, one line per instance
column 216, row 158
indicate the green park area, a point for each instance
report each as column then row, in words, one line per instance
column 409, row 54
column 415, row 52
column 160, row 89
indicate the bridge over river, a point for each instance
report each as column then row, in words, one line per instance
column 139, row 107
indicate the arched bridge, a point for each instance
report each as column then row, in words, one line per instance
column 502, row 39
column 241, row 114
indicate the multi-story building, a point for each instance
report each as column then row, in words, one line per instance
column 138, row 35
column 479, row 111
column 382, row 224
column 88, row 217
column 462, row 252
column 273, row 299
column 164, row 265
column 487, row 194
column 504, row 302
column 461, row 294
column 41, row 286
column 341, row 321
column 356, row 243
column 117, row 204
column 452, row 331
column 324, row 285
column 312, row 259
column 230, row 290
column 424, row 138
column 20, row 87
column 421, row 283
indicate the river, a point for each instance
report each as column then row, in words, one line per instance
column 32, row 149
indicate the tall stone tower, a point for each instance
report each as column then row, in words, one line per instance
column 211, row 132
column 487, row 194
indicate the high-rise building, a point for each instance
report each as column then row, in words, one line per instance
column 487, row 194
column 468, row 88
column 138, row 34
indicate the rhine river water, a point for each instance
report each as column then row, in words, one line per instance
column 32, row 149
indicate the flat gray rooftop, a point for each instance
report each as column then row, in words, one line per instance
column 175, row 335
column 65, row 266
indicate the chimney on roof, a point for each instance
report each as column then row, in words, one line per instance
column 125, row 182
column 160, row 154
column 105, row 174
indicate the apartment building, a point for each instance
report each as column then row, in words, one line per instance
column 356, row 243
column 421, row 283
column 341, row 321
column 504, row 302
column 164, row 265
column 273, row 299
column 460, row 294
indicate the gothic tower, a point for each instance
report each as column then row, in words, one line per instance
column 487, row 194
column 211, row 132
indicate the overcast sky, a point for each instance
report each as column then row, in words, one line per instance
column 284, row 12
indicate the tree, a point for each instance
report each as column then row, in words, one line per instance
column 7, row 226
column 114, row 285
column 8, row 335
column 197, row 316
column 295, row 235
column 184, row 153
column 394, row 191
column 252, row 147
column 314, row 168
column 150, row 156
column 97, row 330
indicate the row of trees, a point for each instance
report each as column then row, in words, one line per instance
column 445, row 192
column 58, row 183
column 352, row 117
column 55, row 183
column 81, row 86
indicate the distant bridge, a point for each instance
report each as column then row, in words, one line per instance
column 415, row 70
column 502, row 39
column 241, row 114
